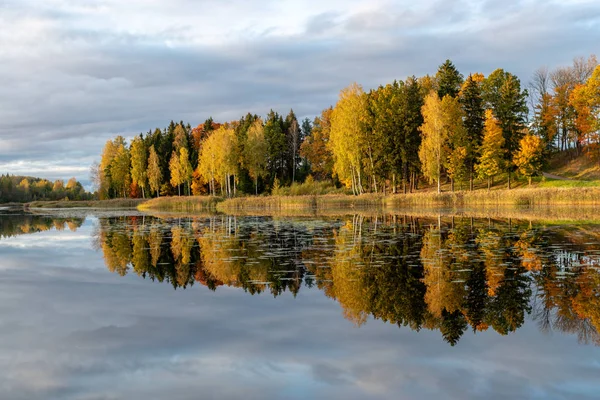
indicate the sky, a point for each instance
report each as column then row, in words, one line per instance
column 75, row 73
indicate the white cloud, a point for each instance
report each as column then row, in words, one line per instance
column 75, row 74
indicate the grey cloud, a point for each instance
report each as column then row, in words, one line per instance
column 81, row 86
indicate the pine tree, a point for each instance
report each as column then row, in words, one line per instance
column 448, row 80
column 502, row 93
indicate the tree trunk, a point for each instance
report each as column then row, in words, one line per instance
column 256, row 185
column 509, row 179
column 471, row 180
column 360, row 189
column 452, row 184
column 489, row 186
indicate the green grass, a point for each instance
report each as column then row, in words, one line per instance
column 555, row 183
column 113, row 203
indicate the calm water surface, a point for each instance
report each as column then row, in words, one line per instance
column 130, row 306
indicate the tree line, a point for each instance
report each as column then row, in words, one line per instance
column 20, row 189
column 441, row 128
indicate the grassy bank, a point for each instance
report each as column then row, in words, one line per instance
column 550, row 196
column 516, row 197
column 113, row 203
column 181, row 204
column 312, row 202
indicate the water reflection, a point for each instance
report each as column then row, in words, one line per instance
column 445, row 274
column 12, row 224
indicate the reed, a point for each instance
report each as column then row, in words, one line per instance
column 503, row 197
column 113, row 204
column 181, row 203
column 307, row 202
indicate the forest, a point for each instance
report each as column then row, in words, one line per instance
column 430, row 130
column 21, row 189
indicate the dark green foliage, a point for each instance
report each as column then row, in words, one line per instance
column 449, row 80
column 472, row 104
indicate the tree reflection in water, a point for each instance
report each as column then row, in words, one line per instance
column 445, row 274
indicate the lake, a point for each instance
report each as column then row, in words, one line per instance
column 124, row 305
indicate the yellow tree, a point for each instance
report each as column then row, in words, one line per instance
column 120, row 177
column 529, row 157
column 154, row 172
column 218, row 160
column 176, row 172
column 71, row 183
column 433, row 152
column 139, row 160
column 180, row 139
column 492, row 153
column 347, row 136
column 109, row 152
column 58, row 186
column 256, row 152
column 185, row 167
column 207, row 161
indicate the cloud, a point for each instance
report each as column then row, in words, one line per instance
column 76, row 74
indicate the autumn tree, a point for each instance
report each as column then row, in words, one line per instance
column 180, row 139
column 503, row 94
column 433, row 150
column 347, row 137
column 185, row 167
column 177, row 177
column 316, row 147
column 442, row 120
column 120, row 170
column 106, row 186
column 255, row 152
column 139, row 160
column 492, row 149
column 529, row 157
column 154, row 173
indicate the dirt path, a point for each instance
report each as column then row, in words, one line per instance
column 552, row 176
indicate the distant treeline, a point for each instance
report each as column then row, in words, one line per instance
column 15, row 188
column 441, row 128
